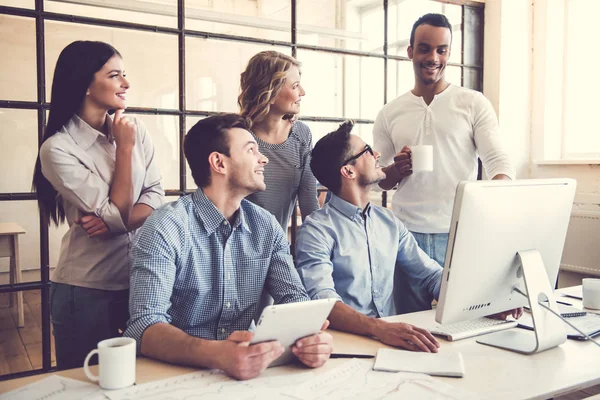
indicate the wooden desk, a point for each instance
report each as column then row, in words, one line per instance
column 490, row 373
column 9, row 247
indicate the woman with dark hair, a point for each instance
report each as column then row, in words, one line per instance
column 99, row 174
column 270, row 96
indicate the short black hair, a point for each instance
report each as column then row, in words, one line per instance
column 437, row 20
column 328, row 155
column 207, row 136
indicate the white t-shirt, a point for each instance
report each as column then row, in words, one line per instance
column 460, row 124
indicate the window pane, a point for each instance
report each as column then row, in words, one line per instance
column 453, row 75
column 21, row 4
column 473, row 41
column 156, row 12
column 320, row 129
column 213, row 69
column 18, row 135
column 22, row 347
column 266, row 19
column 400, row 78
column 153, row 75
column 25, row 214
column 164, row 132
column 341, row 85
column 402, row 16
column 189, row 180
column 342, row 25
column 365, row 131
column 473, row 78
column 18, row 78
column 581, row 136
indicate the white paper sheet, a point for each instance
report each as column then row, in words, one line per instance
column 352, row 380
column 56, row 387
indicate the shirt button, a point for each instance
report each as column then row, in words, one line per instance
column 228, row 304
column 222, row 330
column 228, row 276
column 224, row 222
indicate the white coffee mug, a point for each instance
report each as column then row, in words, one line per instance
column 116, row 363
column 422, row 158
column 591, row 293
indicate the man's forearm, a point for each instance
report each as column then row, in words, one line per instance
column 345, row 318
column 167, row 343
column 501, row 177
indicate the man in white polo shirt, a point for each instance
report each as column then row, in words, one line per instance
column 459, row 123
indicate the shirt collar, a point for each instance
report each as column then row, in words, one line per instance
column 348, row 209
column 83, row 134
column 212, row 217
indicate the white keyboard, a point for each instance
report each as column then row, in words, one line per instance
column 470, row 328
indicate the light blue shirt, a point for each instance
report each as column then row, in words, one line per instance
column 196, row 271
column 355, row 256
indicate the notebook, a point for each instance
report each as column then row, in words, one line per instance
column 439, row 364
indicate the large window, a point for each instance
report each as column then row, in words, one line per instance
column 564, row 92
column 184, row 64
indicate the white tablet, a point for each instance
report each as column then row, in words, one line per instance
column 287, row 323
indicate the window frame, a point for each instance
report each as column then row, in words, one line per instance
column 473, row 9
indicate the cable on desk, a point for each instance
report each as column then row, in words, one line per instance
column 561, row 317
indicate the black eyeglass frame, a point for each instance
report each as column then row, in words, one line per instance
column 367, row 148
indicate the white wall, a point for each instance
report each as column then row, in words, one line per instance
column 508, row 54
column 508, row 83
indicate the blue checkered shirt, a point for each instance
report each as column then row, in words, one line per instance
column 196, row 271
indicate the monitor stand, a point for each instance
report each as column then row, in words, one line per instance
column 548, row 329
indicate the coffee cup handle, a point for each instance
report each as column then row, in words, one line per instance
column 86, row 367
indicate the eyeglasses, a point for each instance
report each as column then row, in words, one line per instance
column 367, row 148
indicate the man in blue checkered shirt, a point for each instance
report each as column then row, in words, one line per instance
column 201, row 263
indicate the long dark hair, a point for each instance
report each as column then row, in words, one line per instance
column 75, row 69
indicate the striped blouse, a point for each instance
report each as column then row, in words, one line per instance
column 288, row 176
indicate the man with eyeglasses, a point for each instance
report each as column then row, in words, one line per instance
column 353, row 251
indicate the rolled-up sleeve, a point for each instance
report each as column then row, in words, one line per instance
column 152, row 193
column 79, row 186
column 152, row 276
column 421, row 270
column 493, row 156
column 283, row 282
column 313, row 261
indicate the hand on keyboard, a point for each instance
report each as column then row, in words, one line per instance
column 516, row 313
column 407, row 336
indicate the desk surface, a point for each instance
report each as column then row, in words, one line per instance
column 491, row 373
column 10, row 228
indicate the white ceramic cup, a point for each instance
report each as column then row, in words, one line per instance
column 591, row 293
column 116, row 363
column 422, row 158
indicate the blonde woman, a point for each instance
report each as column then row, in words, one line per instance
column 270, row 97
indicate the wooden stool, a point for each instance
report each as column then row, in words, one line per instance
column 9, row 247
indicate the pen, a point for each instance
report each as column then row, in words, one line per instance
column 564, row 303
column 343, row 355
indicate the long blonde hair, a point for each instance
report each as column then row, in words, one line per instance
column 261, row 82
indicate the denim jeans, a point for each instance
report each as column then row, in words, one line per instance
column 412, row 299
column 81, row 317
column 434, row 244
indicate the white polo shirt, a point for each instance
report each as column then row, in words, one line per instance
column 460, row 124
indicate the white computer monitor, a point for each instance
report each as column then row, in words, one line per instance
column 506, row 235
